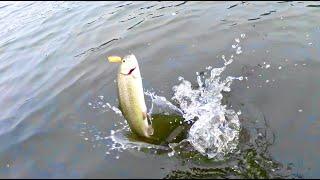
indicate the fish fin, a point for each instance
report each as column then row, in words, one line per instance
column 149, row 119
column 146, row 116
column 150, row 130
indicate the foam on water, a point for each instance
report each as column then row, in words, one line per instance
column 215, row 129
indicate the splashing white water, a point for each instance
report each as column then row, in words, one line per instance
column 216, row 129
column 162, row 103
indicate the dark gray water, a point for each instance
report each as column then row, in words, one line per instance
column 53, row 63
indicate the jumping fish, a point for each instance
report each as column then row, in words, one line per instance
column 131, row 97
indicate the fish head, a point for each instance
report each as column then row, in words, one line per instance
column 129, row 64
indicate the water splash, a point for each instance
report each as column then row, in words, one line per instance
column 163, row 105
column 117, row 140
column 100, row 104
column 216, row 129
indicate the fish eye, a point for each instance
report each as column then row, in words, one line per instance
column 123, row 60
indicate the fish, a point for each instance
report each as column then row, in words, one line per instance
column 131, row 97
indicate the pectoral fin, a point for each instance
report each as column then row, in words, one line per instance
column 150, row 129
column 147, row 116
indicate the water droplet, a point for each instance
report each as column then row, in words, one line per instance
column 267, row 66
column 237, row 40
column 243, row 36
column 300, row 110
column 171, row 154
column 267, row 81
column 280, row 67
column 90, row 104
column 239, row 51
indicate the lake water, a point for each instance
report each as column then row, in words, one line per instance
column 56, row 85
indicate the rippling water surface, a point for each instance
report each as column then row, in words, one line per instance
column 58, row 94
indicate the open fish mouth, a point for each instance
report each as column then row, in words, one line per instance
column 131, row 70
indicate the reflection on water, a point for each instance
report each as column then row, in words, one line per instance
column 53, row 64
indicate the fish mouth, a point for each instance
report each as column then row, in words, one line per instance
column 131, row 70
column 129, row 73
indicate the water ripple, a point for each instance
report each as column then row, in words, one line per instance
column 98, row 47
